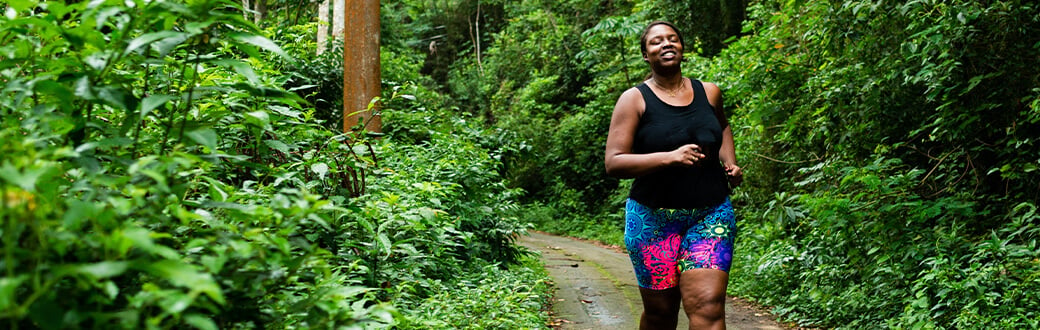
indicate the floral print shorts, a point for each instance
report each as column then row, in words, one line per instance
column 663, row 243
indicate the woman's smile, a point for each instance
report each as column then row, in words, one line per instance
column 668, row 55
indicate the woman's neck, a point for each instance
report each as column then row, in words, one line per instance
column 668, row 80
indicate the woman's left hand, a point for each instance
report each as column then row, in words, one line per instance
column 735, row 175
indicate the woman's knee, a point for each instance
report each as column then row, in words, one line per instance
column 704, row 291
column 661, row 302
column 661, row 307
column 706, row 305
column 662, row 310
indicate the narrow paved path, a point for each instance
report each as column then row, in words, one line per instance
column 597, row 290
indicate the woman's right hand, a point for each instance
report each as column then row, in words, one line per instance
column 688, row 155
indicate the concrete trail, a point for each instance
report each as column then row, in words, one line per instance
column 597, row 290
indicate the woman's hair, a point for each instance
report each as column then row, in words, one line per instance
column 642, row 38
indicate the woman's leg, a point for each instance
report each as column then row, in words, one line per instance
column 704, row 297
column 653, row 241
column 704, row 261
column 660, row 309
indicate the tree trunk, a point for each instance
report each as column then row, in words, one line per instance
column 480, row 67
column 246, row 7
column 261, row 11
column 338, row 12
column 323, row 25
column 361, row 83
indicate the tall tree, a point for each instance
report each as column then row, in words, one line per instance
column 361, row 83
column 323, row 22
column 338, row 11
column 323, row 25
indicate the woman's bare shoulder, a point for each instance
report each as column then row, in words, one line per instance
column 710, row 87
column 630, row 100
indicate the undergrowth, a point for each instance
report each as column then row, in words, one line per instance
column 491, row 298
column 164, row 167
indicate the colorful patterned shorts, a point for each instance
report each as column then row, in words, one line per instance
column 663, row 243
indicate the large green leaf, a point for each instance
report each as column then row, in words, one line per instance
column 25, row 179
column 186, row 276
column 206, row 137
column 241, row 67
column 165, row 41
column 102, row 270
column 8, row 289
column 151, row 102
column 259, row 41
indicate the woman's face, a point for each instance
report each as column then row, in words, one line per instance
column 663, row 47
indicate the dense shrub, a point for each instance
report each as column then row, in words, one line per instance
column 907, row 178
column 492, row 299
column 890, row 148
column 158, row 175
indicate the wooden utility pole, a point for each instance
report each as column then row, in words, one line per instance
column 361, row 64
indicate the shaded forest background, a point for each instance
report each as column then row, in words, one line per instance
column 891, row 149
column 178, row 163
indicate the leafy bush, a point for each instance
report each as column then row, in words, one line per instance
column 157, row 175
column 146, row 196
column 856, row 218
column 971, row 282
column 891, row 172
column 514, row 298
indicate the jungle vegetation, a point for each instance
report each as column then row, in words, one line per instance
column 171, row 164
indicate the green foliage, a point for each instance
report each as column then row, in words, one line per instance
column 545, row 92
column 890, row 148
column 446, row 30
column 157, row 207
column 707, row 25
column 514, row 298
column 967, row 283
column 316, row 78
column 158, row 175
column 892, row 135
column 462, row 178
column 168, row 165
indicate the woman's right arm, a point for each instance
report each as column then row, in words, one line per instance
column 619, row 160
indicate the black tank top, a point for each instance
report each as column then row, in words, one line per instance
column 664, row 127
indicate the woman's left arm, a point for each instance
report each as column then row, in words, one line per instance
column 727, row 152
